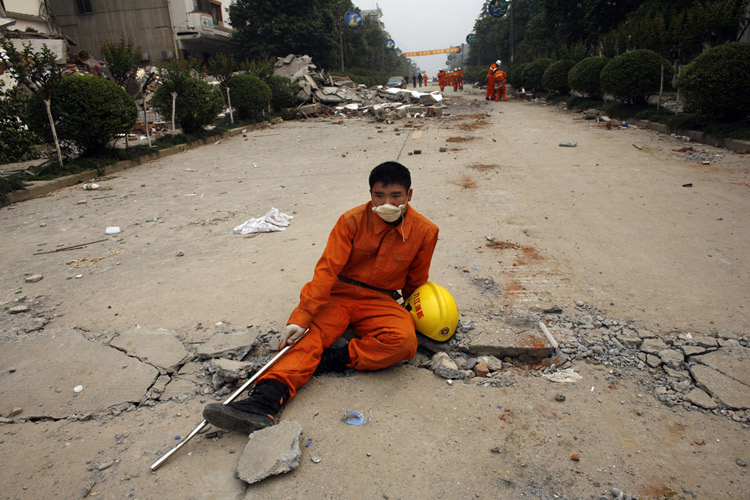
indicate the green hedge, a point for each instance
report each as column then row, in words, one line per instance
column 716, row 82
column 514, row 75
column 585, row 76
column 533, row 73
column 250, row 95
column 197, row 104
column 283, row 92
column 634, row 76
column 555, row 78
column 88, row 111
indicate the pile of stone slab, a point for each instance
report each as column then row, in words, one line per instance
column 324, row 94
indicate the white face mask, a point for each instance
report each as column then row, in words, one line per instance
column 389, row 213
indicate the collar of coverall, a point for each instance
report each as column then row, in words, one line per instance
column 403, row 225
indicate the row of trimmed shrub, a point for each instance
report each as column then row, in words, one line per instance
column 714, row 84
column 90, row 111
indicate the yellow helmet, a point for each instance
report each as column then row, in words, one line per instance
column 434, row 311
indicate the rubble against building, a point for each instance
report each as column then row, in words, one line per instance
column 324, row 94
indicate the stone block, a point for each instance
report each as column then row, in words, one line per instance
column 271, row 451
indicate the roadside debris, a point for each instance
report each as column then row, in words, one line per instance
column 271, row 451
column 354, row 417
column 568, row 144
column 323, row 94
column 271, row 222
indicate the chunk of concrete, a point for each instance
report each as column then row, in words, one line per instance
column 158, row 347
column 653, row 346
column 731, row 361
column 46, row 369
column 236, row 345
column 730, row 392
column 699, row 398
column 271, row 451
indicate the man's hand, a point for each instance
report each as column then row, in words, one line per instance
column 290, row 334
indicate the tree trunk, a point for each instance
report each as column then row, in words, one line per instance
column 47, row 104
column 661, row 85
column 229, row 102
column 174, row 104
column 145, row 120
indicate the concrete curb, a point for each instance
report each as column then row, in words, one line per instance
column 42, row 188
column 736, row 145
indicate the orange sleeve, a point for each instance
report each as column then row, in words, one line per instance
column 420, row 267
column 317, row 292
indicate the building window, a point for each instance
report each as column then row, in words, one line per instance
column 211, row 7
column 84, row 6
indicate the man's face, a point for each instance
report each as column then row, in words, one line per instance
column 393, row 194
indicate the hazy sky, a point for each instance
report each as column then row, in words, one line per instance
column 427, row 25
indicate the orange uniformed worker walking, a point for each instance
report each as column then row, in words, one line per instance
column 460, row 79
column 499, row 78
column 490, row 94
column 425, row 79
column 374, row 250
column 441, row 79
column 454, row 79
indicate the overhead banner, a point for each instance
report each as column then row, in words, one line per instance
column 432, row 52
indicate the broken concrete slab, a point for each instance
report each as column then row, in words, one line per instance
column 731, row 361
column 158, row 347
column 730, row 392
column 699, row 398
column 180, row 389
column 235, row 345
column 230, row 369
column 271, row 451
column 46, row 369
column 653, row 346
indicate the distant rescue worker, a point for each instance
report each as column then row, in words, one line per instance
column 425, row 79
column 442, row 77
column 407, row 81
column 499, row 78
column 414, row 81
column 454, row 79
column 491, row 80
column 460, row 79
column 419, row 79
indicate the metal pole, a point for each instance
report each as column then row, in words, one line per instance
column 231, row 398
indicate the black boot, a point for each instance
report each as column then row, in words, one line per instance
column 334, row 359
column 248, row 415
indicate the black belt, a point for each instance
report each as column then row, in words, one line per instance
column 391, row 293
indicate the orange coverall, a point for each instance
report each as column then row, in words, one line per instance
column 500, row 85
column 491, row 82
column 441, row 80
column 365, row 248
column 454, row 80
column 461, row 79
column 425, row 79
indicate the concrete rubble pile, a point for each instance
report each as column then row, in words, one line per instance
column 324, row 94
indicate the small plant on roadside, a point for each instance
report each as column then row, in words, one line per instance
column 39, row 73
column 88, row 111
column 262, row 68
column 585, row 76
column 533, row 73
column 715, row 84
column 283, row 92
column 250, row 95
column 555, row 78
column 122, row 59
column 197, row 103
column 634, row 76
column 514, row 75
column 16, row 141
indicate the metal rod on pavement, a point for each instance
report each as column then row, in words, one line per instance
column 231, row 398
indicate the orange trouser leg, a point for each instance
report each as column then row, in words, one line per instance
column 490, row 87
column 385, row 330
column 500, row 92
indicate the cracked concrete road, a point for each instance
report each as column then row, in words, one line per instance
column 604, row 223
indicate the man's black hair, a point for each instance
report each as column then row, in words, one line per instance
column 391, row 172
